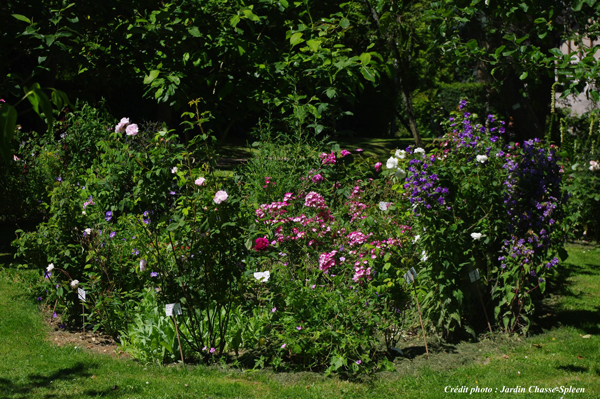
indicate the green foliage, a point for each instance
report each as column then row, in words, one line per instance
column 150, row 337
column 473, row 208
column 335, row 291
column 514, row 47
column 580, row 143
column 237, row 57
column 282, row 161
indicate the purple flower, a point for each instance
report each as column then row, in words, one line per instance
column 318, row 178
column 283, row 346
column 111, row 235
column 273, row 310
column 212, row 350
column 154, row 274
column 39, row 298
column 47, row 274
column 299, row 328
column 172, row 192
column 59, row 178
column 54, row 316
column 358, row 362
column 108, row 216
column 135, row 252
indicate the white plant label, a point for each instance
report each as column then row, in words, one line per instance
column 410, row 275
column 172, row 309
column 474, row 275
column 81, row 294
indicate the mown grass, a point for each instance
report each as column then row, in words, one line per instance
column 555, row 355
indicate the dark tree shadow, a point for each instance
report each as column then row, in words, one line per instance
column 34, row 382
column 571, row 368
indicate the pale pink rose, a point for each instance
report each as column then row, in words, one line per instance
column 120, row 128
column 200, row 181
column 132, row 130
column 220, row 196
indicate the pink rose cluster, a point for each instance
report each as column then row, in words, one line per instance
column 274, row 209
column 378, row 167
column 327, row 261
column 357, row 238
column 344, row 153
column 327, row 159
column 361, row 273
column 314, row 200
column 124, row 126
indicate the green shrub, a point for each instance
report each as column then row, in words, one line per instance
column 482, row 203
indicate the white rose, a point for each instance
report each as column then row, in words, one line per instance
column 262, row 276
column 384, row 205
column 400, row 174
column 400, row 154
column 50, row 267
column 88, row 231
column 174, row 170
column 74, row 283
column 392, row 163
column 419, row 150
column 482, row 158
column 476, row 236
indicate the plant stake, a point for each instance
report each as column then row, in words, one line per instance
column 474, row 276
column 172, row 310
column 410, row 277
column 81, row 295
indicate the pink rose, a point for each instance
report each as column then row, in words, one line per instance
column 131, row 130
column 220, row 196
column 200, row 181
column 123, row 123
column 261, row 243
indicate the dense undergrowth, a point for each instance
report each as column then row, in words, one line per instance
column 301, row 260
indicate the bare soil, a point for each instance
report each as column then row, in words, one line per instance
column 95, row 342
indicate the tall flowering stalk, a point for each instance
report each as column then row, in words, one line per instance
column 481, row 203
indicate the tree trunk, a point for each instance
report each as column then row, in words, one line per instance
column 410, row 113
column 399, row 84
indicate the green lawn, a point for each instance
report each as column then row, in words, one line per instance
column 556, row 355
